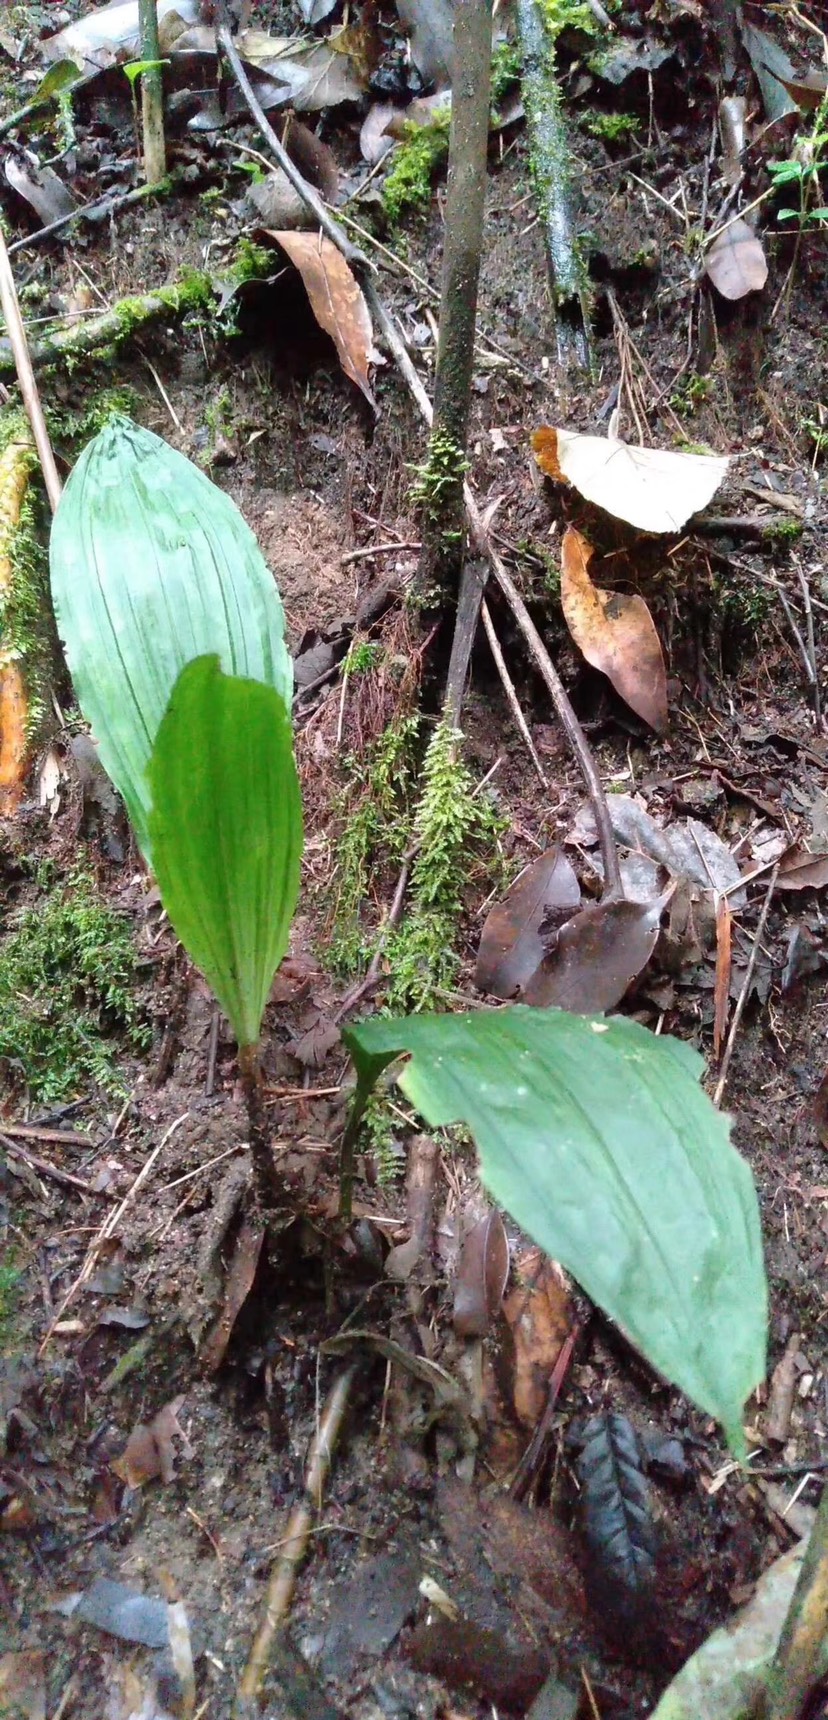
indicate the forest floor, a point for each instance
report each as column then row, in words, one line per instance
column 122, row 1131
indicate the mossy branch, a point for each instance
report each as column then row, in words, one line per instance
column 98, row 335
column 552, row 174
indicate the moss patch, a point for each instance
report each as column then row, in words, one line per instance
column 67, row 993
column 408, row 185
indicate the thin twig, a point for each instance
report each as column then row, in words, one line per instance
column 809, row 631
column 509, row 690
column 294, row 1546
column 743, row 995
column 92, row 212
column 25, row 376
column 45, row 1169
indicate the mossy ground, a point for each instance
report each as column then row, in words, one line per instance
column 68, row 995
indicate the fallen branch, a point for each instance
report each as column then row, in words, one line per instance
column 93, row 337
column 94, row 213
column 509, row 689
column 552, row 174
column 744, row 993
column 283, row 1575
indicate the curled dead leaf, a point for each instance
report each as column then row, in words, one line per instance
column 336, row 299
column 150, row 1452
column 482, row 1275
column 615, row 633
column 655, row 489
column 736, row 262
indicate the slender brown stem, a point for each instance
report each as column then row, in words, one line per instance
column 152, row 94
column 261, row 1157
column 25, row 376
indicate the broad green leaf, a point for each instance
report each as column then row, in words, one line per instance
column 226, row 833
column 61, row 76
column 151, row 566
column 600, row 1141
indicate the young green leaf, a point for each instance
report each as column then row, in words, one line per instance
column 151, row 566
column 226, row 833
column 599, row 1140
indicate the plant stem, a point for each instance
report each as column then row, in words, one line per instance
column 441, row 558
column 264, row 1175
column 803, row 1646
column 152, row 94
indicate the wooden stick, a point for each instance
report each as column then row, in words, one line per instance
column 509, row 690
column 25, row 376
column 294, row 1546
column 743, row 995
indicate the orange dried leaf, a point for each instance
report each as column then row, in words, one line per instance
column 615, row 633
column 336, row 300
column 14, row 717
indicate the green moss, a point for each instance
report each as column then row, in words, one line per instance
column 444, row 464
column 67, row 993
column 374, row 813
column 456, row 828
column 741, row 603
column 252, row 262
column 423, row 150
column 691, row 393
column 612, row 127
column 782, row 531
column 10, row 1276
column 560, row 15
column 505, row 72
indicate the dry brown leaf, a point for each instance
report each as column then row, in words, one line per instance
column 615, row 633
column 721, row 993
column 512, row 943
column 736, row 262
column 336, row 300
column 539, row 1316
column 150, row 1453
column 597, row 956
column 799, row 869
column 652, row 488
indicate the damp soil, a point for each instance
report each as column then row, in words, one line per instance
column 320, row 478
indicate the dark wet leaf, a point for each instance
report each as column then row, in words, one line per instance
column 808, row 89
column 801, row 870
column 599, row 953
column 599, row 1140
column 312, row 1047
column 369, row 1608
column 468, row 1657
column 482, row 1274
column 512, row 944
column 736, row 262
column 616, row 1517
column 430, row 24
column 122, row 1612
column 239, row 1284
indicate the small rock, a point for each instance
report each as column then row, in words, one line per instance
column 277, row 204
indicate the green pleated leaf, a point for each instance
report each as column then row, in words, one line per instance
column 151, row 566
column 226, row 833
column 600, row 1141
